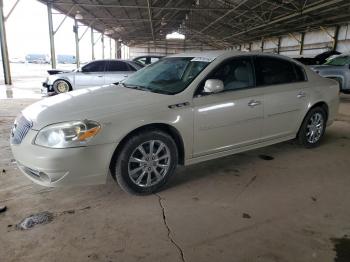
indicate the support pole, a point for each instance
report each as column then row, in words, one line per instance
column 103, row 46
column 302, row 37
column 51, row 35
column 4, row 51
column 335, row 38
column 279, row 45
column 92, row 45
column 115, row 49
column 76, row 32
column 119, row 50
column 110, row 48
column 262, row 45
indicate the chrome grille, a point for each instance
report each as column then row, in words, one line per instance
column 20, row 129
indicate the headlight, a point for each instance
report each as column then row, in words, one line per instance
column 67, row 134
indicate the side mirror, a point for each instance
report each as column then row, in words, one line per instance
column 213, row 86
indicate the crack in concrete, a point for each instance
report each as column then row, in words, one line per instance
column 170, row 237
column 245, row 187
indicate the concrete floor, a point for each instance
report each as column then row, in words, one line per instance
column 239, row 208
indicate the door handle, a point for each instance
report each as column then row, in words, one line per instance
column 254, row 103
column 301, row 94
column 99, row 76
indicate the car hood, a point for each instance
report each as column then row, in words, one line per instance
column 91, row 103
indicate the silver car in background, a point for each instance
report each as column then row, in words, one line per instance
column 95, row 73
column 338, row 69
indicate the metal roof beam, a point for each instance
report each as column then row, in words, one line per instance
column 11, row 10
column 146, row 7
column 150, row 18
column 64, row 19
column 224, row 15
column 314, row 7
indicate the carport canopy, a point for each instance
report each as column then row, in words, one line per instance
column 219, row 23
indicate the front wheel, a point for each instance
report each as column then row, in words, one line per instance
column 313, row 128
column 146, row 162
column 61, row 86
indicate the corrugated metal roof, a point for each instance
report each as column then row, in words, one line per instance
column 220, row 23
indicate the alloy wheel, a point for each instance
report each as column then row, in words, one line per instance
column 315, row 128
column 149, row 163
column 62, row 87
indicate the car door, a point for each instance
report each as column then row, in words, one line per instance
column 285, row 95
column 92, row 74
column 232, row 118
column 117, row 71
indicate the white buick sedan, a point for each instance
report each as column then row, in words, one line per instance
column 181, row 110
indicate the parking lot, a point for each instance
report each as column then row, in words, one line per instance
column 280, row 203
column 223, row 128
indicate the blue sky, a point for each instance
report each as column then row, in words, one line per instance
column 27, row 32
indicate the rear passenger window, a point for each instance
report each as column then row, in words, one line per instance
column 274, row 71
column 115, row 66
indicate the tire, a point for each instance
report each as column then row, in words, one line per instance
column 313, row 127
column 61, row 86
column 136, row 172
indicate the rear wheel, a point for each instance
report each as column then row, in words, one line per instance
column 146, row 162
column 313, row 128
column 61, row 86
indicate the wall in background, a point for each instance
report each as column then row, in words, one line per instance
column 315, row 42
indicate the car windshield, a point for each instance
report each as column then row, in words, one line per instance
column 339, row 61
column 167, row 76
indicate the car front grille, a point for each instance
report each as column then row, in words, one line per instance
column 20, row 129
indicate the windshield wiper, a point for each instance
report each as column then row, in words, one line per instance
column 160, row 91
column 143, row 88
column 137, row 87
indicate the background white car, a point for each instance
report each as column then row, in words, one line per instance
column 95, row 73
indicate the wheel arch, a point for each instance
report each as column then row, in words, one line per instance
column 321, row 104
column 169, row 129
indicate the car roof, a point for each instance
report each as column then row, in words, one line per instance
column 157, row 56
column 211, row 55
column 105, row 60
column 207, row 54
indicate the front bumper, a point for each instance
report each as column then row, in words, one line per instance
column 63, row 167
column 47, row 90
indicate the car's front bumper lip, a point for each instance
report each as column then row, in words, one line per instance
column 47, row 90
column 63, row 167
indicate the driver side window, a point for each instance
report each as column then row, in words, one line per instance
column 236, row 74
